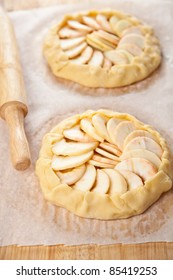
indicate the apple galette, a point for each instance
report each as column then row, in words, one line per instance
column 104, row 165
column 102, row 49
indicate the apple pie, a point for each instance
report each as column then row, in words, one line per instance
column 102, row 49
column 104, row 165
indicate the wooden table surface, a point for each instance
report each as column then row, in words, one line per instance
column 157, row 250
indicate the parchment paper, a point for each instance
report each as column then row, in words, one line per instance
column 25, row 217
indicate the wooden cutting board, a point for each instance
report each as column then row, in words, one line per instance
column 157, row 250
column 147, row 251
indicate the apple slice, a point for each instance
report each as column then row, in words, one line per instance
column 139, row 166
column 79, row 26
column 106, row 154
column 103, row 22
column 137, row 133
column 110, row 148
column 99, row 123
column 88, row 179
column 117, row 182
column 84, row 57
column 98, row 43
column 76, row 51
column 67, row 32
column 104, row 160
column 135, row 39
column 112, row 39
column 113, row 21
column 116, row 57
column 107, row 64
column 144, row 143
column 111, row 125
column 132, row 179
column 101, row 164
column 132, row 49
column 132, row 30
column 62, row 163
column 72, row 176
column 103, row 40
column 71, row 43
column 96, row 59
column 76, row 134
column 91, row 22
column 63, row 148
column 87, row 126
column 127, row 54
column 121, row 131
column 102, row 182
column 120, row 26
column 141, row 153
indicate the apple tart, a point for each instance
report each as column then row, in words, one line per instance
column 104, row 165
column 102, row 49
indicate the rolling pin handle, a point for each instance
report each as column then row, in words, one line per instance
column 20, row 154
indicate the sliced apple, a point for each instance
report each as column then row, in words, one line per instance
column 76, row 134
column 71, row 43
column 104, row 160
column 84, row 57
column 141, row 153
column 139, row 166
column 137, row 133
column 132, row 30
column 67, row 32
column 144, row 143
column 101, row 164
column 79, row 26
column 112, row 39
column 117, row 182
column 99, row 122
column 117, row 57
column 102, row 182
column 91, row 22
column 88, row 179
column 76, row 51
column 107, row 64
column 110, row 148
column 104, row 40
column 111, row 125
column 62, row 163
column 133, row 180
column 135, row 39
column 96, row 59
column 120, row 26
column 103, row 22
column 132, row 49
column 87, row 126
column 97, row 42
column 127, row 54
column 72, row 176
column 121, row 131
column 106, row 154
column 113, row 21
column 63, row 148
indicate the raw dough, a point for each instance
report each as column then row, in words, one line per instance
column 104, row 165
column 102, row 49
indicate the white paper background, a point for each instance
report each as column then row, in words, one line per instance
column 25, row 217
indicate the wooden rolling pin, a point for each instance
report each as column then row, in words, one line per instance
column 13, row 106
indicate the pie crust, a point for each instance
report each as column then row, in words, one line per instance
column 104, row 165
column 102, row 49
